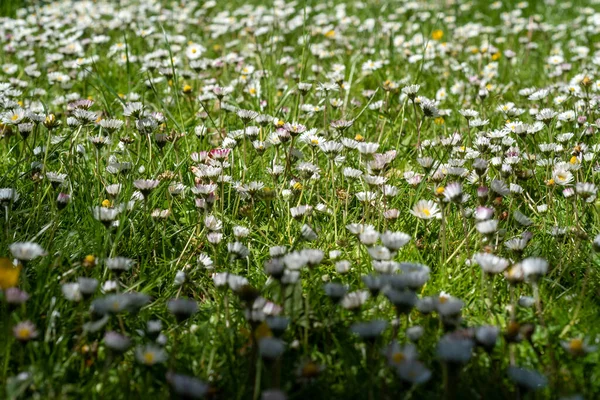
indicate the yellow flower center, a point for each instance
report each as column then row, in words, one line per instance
column 23, row 333
column 576, row 345
column 427, row 212
column 398, row 357
column 310, row 369
column 15, row 117
column 148, row 358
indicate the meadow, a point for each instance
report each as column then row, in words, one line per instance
column 293, row 200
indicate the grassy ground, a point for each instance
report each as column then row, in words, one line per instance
column 453, row 51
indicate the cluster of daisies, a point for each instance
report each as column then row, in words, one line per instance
column 219, row 201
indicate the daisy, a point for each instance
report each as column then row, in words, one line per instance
column 25, row 331
column 425, row 209
column 150, row 355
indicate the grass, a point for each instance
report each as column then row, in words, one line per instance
column 224, row 344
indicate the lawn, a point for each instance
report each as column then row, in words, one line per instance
column 292, row 200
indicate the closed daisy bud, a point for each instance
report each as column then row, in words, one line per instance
column 271, row 348
column 187, row 387
column 487, row 336
column 182, row 309
column 414, row 333
column 454, row 349
column 117, row 342
column 394, row 240
column 527, row 379
column 596, row 244
column 369, row 331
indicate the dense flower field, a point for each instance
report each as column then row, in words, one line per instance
column 292, row 200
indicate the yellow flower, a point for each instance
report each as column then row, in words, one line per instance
column 9, row 274
column 89, row 260
column 586, row 81
column 439, row 121
column 105, row 203
column 550, row 182
column 440, row 190
column 496, row 56
column 574, row 160
column 359, row 138
column 187, row 89
column 438, row 34
column 330, row 33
